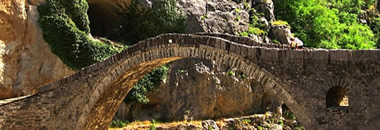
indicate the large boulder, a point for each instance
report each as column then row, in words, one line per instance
column 26, row 61
column 266, row 7
column 194, row 10
column 281, row 33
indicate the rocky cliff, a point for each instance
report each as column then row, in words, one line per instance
column 26, row 60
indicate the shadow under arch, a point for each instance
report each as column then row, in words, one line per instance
column 135, row 62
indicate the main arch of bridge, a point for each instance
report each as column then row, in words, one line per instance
column 155, row 52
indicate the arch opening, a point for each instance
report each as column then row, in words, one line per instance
column 337, row 98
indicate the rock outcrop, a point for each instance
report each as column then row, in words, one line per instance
column 199, row 89
column 221, row 16
column 26, row 59
column 281, row 33
column 266, row 7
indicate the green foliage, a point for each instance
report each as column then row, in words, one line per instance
column 299, row 128
column 117, row 123
column 281, row 122
column 254, row 20
column 203, row 17
column 277, row 42
column 65, row 27
column 326, row 23
column 253, row 30
column 280, row 22
column 237, row 18
column 210, row 127
column 256, row 26
column 246, row 5
column 375, row 26
column 153, row 126
column 244, row 34
column 288, row 114
column 141, row 23
column 147, row 83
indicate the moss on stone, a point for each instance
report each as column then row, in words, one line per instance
column 65, row 27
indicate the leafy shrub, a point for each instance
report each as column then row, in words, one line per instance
column 375, row 26
column 147, row 83
column 256, row 31
column 231, row 73
column 141, row 23
column 244, row 34
column 326, row 24
column 153, row 126
column 280, row 22
column 65, row 27
column 203, row 17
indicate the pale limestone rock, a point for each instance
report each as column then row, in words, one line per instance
column 282, row 33
column 26, row 59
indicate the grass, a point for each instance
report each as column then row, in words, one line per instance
column 203, row 17
column 280, row 22
column 237, row 18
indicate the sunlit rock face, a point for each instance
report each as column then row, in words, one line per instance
column 200, row 89
column 26, row 61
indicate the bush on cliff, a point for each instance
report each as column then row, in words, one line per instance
column 65, row 27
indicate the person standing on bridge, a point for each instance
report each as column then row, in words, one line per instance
column 296, row 43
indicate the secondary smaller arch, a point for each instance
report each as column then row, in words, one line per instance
column 337, row 98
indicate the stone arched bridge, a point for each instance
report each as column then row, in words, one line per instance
column 300, row 78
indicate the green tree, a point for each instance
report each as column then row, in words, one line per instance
column 326, row 24
column 146, row 84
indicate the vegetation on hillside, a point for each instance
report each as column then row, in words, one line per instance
column 65, row 27
column 329, row 23
column 141, row 23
